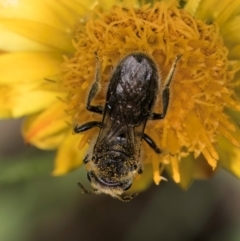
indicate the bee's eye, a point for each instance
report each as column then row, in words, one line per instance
column 126, row 188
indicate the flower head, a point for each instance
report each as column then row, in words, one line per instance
column 200, row 131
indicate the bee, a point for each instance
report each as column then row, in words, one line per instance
column 131, row 96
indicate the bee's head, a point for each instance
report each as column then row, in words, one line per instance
column 111, row 173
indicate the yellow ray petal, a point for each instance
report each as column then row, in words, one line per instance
column 186, row 167
column 22, row 66
column 61, row 15
column 11, row 41
column 69, row 156
column 229, row 156
column 190, row 169
column 40, row 32
column 175, row 169
column 202, row 170
column 228, row 152
column 156, row 170
column 71, row 11
column 235, row 115
column 219, row 11
column 53, row 13
column 230, row 30
column 107, row 4
column 192, row 6
column 47, row 129
column 235, row 52
column 17, row 101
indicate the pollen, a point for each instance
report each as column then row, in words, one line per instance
column 202, row 88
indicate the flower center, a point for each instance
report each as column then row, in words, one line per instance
column 202, row 85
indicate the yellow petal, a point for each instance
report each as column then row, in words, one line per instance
column 202, row 170
column 47, row 129
column 20, row 100
column 189, row 169
column 39, row 11
column 235, row 52
column 11, row 41
column 229, row 153
column 235, row 115
column 40, row 32
column 69, row 156
column 107, row 4
column 229, row 156
column 192, row 6
column 186, row 167
column 230, row 30
column 53, row 13
column 175, row 169
column 217, row 11
column 25, row 67
column 71, row 11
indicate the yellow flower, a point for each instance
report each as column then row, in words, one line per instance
column 48, row 64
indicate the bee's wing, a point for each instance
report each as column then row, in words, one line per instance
column 119, row 127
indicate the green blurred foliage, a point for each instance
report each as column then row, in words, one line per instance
column 36, row 206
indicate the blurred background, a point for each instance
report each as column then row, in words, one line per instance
column 36, row 206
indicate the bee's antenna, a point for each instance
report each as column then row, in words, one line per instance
column 84, row 190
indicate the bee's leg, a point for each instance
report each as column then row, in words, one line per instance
column 94, row 90
column 84, row 190
column 87, row 126
column 166, row 92
column 151, row 143
column 126, row 198
column 85, row 160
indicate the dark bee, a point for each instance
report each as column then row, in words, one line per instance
column 131, row 95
